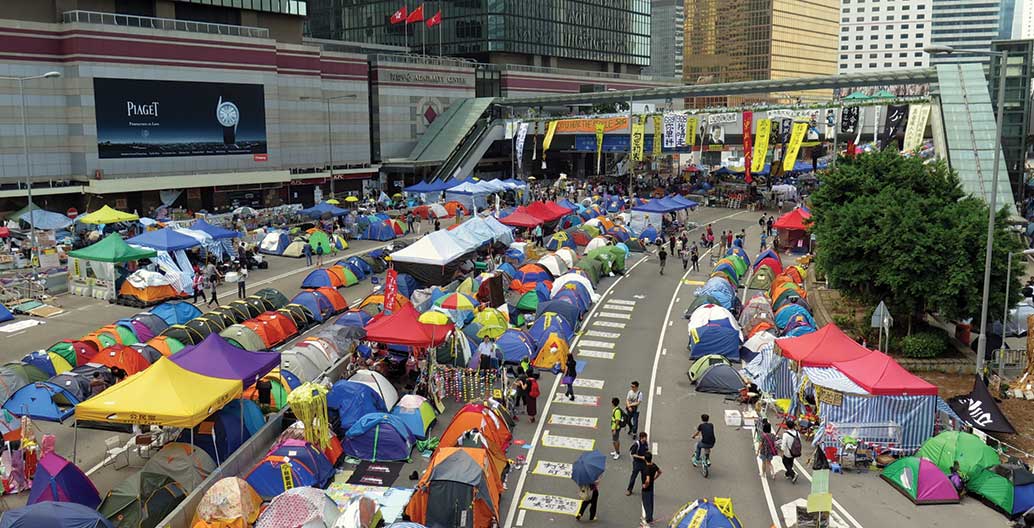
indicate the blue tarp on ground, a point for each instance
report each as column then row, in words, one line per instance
column 174, row 313
column 165, row 239
column 352, row 401
column 378, row 437
column 714, row 338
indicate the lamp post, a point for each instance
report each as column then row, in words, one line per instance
column 34, row 253
column 1005, row 310
column 1004, row 54
column 330, row 133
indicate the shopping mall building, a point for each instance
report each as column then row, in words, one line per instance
column 234, row 104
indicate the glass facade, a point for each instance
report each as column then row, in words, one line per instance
column 614, row 31
column 1016, row 114
column 283, row 7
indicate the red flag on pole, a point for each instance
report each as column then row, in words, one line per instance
column 748, row 145
column 391, row 287
column 399, row 16
column 435, row 20
column 416, row 16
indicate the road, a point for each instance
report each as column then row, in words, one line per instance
column 639, row 321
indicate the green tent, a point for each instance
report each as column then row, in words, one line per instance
column 272, row 295
column 112, row 249
column 127, row 335
column 320, row 239
column 592, row 231
column 592, row 268
column 142, row 500
column 921, row 481
column 604, row 257
column 762, row 278
column 243, row 337
column 350, row 278
column 1007, row 487
column 701, row 365
column 528, row 302
column 25, row 371
column 737, row 264
column 619, row 257
column 857, row 96
column 967, row 449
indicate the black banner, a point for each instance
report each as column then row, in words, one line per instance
column 849, row 120
column 979, row 410
column 785, row 128
column 897, row 118
column 151, row 119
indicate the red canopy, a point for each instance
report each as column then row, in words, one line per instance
column 547, row 211
column 795, row 220
column 822, row 348
column 879, row 374
column 404, row 328
column 520, row 218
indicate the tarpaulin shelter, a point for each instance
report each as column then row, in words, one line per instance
column 56, row 514
column 176, row 312
column 521, row 218
column 216, row 232
column 215, row 358
column 459, row 483
column 404, row 328
column 186, row 464
column 416, row 412
column 720, row 379
column 229, row 503
column 879, row 375
column 59, row 480
column 378, row 437
column 433, row 260
column 106, row 215
column 1008, row 488
column 715, row 338
column 142, row 500
column 321, row 209
column 969, row 450
column 822, row 348
column 921, row 481
column 111, row 249
column 353, row 400
column 166, row 239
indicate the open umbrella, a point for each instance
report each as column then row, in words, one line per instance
column 351, row 199
column 456, row 301
column 333, row 201
column 435, row 318
column 493, row 323
column 588, row 468
column 245, row 211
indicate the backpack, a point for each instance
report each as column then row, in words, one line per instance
column 623, row 420
column 795, row 446
column 533, row 390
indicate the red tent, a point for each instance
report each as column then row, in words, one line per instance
column 796, row 220
column 547, row 211
column 520, row 218
column 822, row 348
column 879, row 374
column 404, row 328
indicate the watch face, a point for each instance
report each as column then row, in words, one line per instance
column 227, row 114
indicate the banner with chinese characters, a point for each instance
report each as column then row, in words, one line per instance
column 918, row 116
column 716, row 130
column 391, row 288
column 588, row 126
column 535, row 143
column 689, row 131
column 849, row 119
column 670, row 126
column 897, row 116
column 794, row 147
column 550, row 130
column 748, row 147
column 757, row 161
column 599, row 145
column 638, row 133
column 522, row 133
column 657, row 135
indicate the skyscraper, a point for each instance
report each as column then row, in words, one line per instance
column 667, row 26
column 877, row 35
column 965, row 24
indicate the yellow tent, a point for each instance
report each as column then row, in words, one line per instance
column 164, row 394
column 107, row 215
column 553, row 352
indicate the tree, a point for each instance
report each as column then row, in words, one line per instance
column 896, row 229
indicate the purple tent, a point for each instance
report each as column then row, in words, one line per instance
column 379, row 437
column 921, row 481
column 217, row 358
column 62, row 481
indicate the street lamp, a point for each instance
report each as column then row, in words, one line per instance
column 1005, row 311
column 330, row 134
column 34, row 253
column 1004, row 54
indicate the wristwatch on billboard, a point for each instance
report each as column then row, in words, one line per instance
column 229, row 116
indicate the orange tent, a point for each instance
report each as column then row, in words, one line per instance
column 166, row 345
column 336, row 299
column 378, row 298
column 123, row 357
column 795, row 273
column 337, row 276
column 270, row 334
column 150, row 294
column 760, row 326
column 454, row 206
column 553, row 352
column 458, row 472
column 605, row 223
column 783, row 287
column 284, row 323
column 477, row 416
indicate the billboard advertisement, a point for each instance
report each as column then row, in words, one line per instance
column 154, row 119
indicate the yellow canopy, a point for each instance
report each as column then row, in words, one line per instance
column 107, row 215
column 164, row 394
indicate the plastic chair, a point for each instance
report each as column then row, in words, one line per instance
column 115, row 449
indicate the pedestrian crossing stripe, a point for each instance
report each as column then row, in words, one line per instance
column 550, row 504
column 568, row 442
column 589, row 383
column 595, row 344
column 693, row 282
column 619, row 307
column 608, row 324
column 573, row 421
column 613, row 315
column 604, row 335
column 599, row 354
column 579, row 399
column 553, row 469
column 620, row 301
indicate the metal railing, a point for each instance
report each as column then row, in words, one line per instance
column 166, row 24
column 581, row 73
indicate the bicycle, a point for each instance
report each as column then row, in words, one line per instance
column 704, row 463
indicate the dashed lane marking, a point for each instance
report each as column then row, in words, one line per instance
column 621, row 301
column 604, row 335
column 658, row 390
column 664, row 352
column 599, row 354
column 619, row 307
column 520, row 518
column 589, row 383
column 553, row 469
column 573, row 421
column 595, row 344
column 612, row 315
column 579, row 399
column 550, row 504
column 608, row 324
column 568, row 442
column 656, row 451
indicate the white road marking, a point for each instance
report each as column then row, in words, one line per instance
column 604, row 335
column 670, row 323
column 553, row 469
column 550, row 504
column 599, row 354
column 619, row 307
column 596, row 344
column 589, row 383
column 843, row 510
column 545, row 412
column 579, row 399
column 608, row 324
column 658, row 390
column 664, row 352
column 520, row 518
column 573, row 421
column 677, row 299
column 621, row 301
column 568, row 442
column 612, row 315
column 656, row 451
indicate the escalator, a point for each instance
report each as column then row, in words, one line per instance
column 471, row 149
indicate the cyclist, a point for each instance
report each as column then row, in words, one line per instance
column 705, row 431
column 662, row 255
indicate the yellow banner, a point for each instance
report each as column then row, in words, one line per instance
column 285, row 474
column 698, row 519
column 691, row 131
column 550, row 130
column 794, row 148
column 918, row 116
column 638, row 131
column 588, row 126
column 658, row 134
column 764, row 132
column 600, row 128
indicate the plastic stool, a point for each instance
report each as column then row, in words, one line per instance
column 835, row 468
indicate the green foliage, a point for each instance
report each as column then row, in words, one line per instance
column 924, row 345
column 846, row 323
column 895, row 229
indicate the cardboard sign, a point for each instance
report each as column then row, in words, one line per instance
column 830, row 396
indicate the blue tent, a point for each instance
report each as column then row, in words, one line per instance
column 564, row 202
column 174, row 313
column 318, row 306
column 407, row 284
column 352, row 400
column 507, row 268
column 580, row 290
column 768, row 253
column 317, row 278
column 165, row 239
column 712, row 517
column 41, row 360
column 268, row 480
column 649, row 233
column 353, row 318
column 216, row 231
column 361, row 264
column 308, row 455
column 570, row 297
column 227, row 432
column 783, row 316
column 720, row 290
column 379, row 437
column 714, row 338
column 36, row 400
column 798, row 331
column 657, row 206
column 56, row 514
column 417, row 187
column 319, row 209
column 379, row 231
column 729, row 270
column 356, row 270
column 516, row 345
column 282, row 241
column 5, row 314
column 681, row 200
column 548, row 323
column 46, row 220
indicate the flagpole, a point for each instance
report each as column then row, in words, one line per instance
column 423, row 34
column 407, row 26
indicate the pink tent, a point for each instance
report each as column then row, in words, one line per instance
column 879, row 374
column 60, row 480
column 822, row 348
column 921, row 481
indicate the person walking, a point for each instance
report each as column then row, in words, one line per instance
column 638, row 451
column 537, row 233
column 531, row 398
column 650, row 475
column 684, row 254
column 319, row 255
column 721, row 242
column 790, row 446
column 307, row 251
column 410, row 220
column 570, row 374
column 728, row 239
column 768, row 224
column 633, row 399
column 516, row 394
column 590, row 495
column 662, row 257
column 764, row 241
column 671, row 244
column 212, row 281
column 199, row 285
column 767, row 449
column 615, row 427
column 437, row 224
column 242, row 277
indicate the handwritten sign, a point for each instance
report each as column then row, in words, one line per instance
column 550, row 504
column 830, row 396
column 568, row 442
column 553, row 469
column 573, row 421
column 579, row 399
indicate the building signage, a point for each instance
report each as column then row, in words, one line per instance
column 412, row 77
column 153, row 119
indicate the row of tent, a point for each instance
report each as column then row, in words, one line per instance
column 281, row 243
column 436, row 258
column 468, row 186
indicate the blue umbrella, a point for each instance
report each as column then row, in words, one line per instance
column 588, row 468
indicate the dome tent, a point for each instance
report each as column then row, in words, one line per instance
column 376, row 381
column 184, row 463
column 416, row 412
column 379, row 437
column 972, row 453
column 59, row 480
column 720, row 379
column 142, row 500
column 58, row 514
column 920, row 481
column 352, row 401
